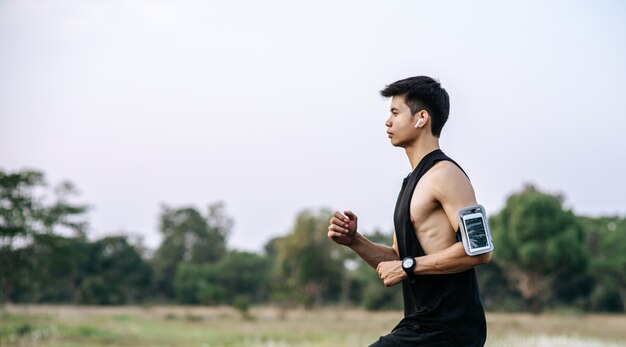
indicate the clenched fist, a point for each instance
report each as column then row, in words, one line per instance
column 342, row 228
column 391, row 272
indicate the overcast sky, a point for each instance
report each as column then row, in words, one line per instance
column 273, row 106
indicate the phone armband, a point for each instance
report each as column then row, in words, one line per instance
column 474, row 227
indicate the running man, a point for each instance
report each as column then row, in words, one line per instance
column 442, row 305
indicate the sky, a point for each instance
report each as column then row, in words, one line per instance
column 272, row 106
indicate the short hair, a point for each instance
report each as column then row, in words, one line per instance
column 423, row 93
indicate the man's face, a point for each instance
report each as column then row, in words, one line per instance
column 401, row 124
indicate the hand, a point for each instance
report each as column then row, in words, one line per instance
column 342, row 228
column 391, row 272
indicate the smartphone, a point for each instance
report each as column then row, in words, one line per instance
column 475, row 232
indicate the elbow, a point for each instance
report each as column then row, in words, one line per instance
column 484, row 258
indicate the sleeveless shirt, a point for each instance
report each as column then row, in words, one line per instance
column 450, row 302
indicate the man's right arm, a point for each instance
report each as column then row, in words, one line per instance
column 342, row 230
column 373, row 253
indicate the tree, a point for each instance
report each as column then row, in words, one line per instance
column 498, row 294
column 538, row 243
column 365, row 286
column 309, row 268
column 28, row 222
column 609, row 263
column 54, row 264
column 18, row 207
column 115, row 273
column 236, row 275
column 189, row 237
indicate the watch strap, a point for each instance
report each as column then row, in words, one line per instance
column 409, row 271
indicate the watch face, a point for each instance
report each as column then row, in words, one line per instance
column 407, row 263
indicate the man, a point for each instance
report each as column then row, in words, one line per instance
column 442, row 305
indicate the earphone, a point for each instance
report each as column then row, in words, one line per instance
column 419, row 122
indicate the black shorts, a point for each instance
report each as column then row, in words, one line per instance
column 413, row 335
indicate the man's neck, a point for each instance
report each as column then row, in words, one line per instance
column 420, row 148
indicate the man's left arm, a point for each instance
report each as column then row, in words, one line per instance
column 454, row 191
column 450, row 260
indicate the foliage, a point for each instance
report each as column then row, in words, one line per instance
column 366, row 288
column 539, row 244
column 115, row 274
column 53, row 266
column 28, row 224
column 191, row 238
column 545, row 257
column 307, row 264
column 609, row 264
column 237, row 274
column 242, row 304
column 41, row 264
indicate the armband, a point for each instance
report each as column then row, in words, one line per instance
column 474, row 230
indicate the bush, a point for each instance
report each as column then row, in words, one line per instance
column 378, row 297
column 242, row 304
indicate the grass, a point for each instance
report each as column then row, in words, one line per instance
column 265, row 327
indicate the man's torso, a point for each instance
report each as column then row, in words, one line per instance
column 424, row 219
column 434, row 230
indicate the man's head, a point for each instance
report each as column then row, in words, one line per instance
column 422, row 93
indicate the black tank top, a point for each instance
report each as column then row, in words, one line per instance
column 450, row 302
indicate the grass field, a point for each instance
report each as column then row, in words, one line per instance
column 223, row 326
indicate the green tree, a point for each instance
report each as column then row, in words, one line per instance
column 538, row 243
column 365, row 287
column 19, row 207
column 26, row 216
column 237, row 275
column 244, row 274
column 54, row 268
column 609, row 264
column 195, row 284
column 309, row 268
column 498, row 294
column 605, row 295
column 191, row 238
column 18, row 210
column 115, row 273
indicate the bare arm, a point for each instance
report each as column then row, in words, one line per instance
column 453, row 190
column 342, row 230
column 373, row 253
column 450, row 260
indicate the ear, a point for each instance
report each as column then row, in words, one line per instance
column 423, row 118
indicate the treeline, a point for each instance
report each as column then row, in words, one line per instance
column 545, row 257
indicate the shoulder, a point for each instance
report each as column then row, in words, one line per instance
column 446, row 178
column 445, row 170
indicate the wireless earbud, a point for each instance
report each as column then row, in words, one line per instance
column 419, row 122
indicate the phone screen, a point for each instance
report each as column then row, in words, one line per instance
column 476, row 234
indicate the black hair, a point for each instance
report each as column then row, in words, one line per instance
column 423, row 93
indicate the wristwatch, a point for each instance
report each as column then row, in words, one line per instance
column 408, row 264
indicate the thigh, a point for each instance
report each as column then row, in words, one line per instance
column 413, row 335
